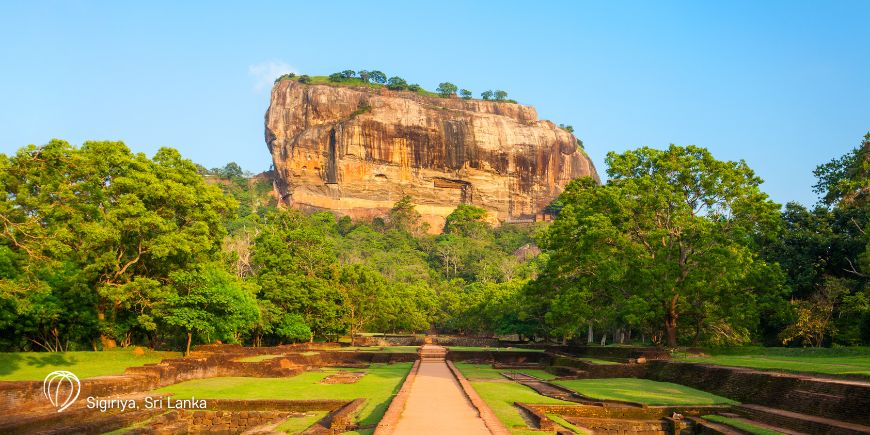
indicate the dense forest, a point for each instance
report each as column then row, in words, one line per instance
column 102, row 247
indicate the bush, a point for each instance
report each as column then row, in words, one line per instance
column 287, row 76
column 304, row 79
column 466, row 94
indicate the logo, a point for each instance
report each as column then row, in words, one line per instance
column 61, row 388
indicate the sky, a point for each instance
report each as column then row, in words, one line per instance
column 783, row 85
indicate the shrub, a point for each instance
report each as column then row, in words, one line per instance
column 466, row 94
column 486, row 95
column 415, row 88
column 304, row 79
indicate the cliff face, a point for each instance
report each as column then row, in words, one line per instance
column 358, row 150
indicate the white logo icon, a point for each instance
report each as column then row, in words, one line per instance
column 61, row 388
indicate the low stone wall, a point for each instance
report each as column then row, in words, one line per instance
column 619, row 427
column 615, row 353
column 623, row 412
column 453, row 340
column 593, row 370
column 388, row 340
column 502, row 357
column 841, row 400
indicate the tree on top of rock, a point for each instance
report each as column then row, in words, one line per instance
column 446, row 89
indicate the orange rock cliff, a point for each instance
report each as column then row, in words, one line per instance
column 358, row 150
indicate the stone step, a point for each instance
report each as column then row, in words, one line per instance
column 798, row 422
column 767, row 426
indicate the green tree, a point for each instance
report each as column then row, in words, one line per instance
column 209, row 300
column 465, row 93
column 304, row 78
column 500, row 95
column 348, row 74
column 446, row 89
column 378, row 77
column 670, row 231
column 486, row 95
column 364, row 75
column 397, row 84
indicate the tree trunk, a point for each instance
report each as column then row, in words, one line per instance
column 604, row 338
column 590, row 337
column 189, row 335
column 671, row 321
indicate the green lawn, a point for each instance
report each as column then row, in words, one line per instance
column 500, row 394
column 486, row 372
column 841, row 361
column 742, row 425
column 643, row 391
column 379, row 385
column 299, row 424
column 34, row 366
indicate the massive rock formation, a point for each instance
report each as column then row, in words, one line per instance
column 357, row 151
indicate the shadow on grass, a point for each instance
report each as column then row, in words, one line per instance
column 12, row 362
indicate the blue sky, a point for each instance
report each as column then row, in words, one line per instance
column 784, row 85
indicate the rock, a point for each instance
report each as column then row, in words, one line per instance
column 356, row 151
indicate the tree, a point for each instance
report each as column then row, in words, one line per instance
column 336, row 77
column 364, row 75
column 500, row 95
column 209, row 300
column 363, row 291
column 846, row 179
column 378, row 77
column 466, row 94
column 568, row 128
column 446, row 89
column 348, row 74
column 669, row 234
column 304, row 78
column 467, row 220
column 414, row 88
column 486, row 95
column 104, row 229
column 397, row 83
column 404, row 217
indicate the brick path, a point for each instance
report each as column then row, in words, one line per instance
column 436, row 403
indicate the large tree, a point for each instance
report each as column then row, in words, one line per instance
column 669, row 234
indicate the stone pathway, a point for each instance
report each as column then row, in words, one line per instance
column 436, row 403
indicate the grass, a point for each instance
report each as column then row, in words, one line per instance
column 739, row 424
column 566, row 424
column 34, row 366
column 299, row 424
column 486, row 372
column 841, row 361
column 257, row 358
column 643, row 391
column 501, row 395
column 380, row 383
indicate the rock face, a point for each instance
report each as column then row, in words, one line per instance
column 357, row 150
